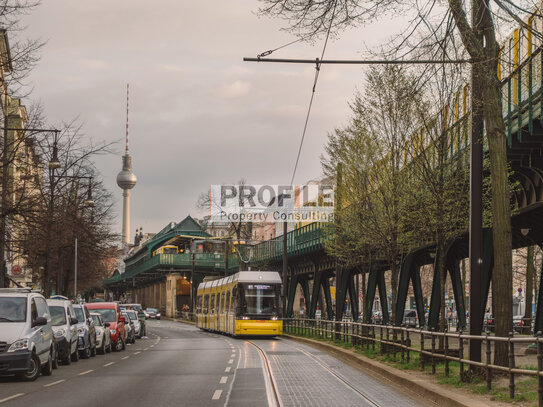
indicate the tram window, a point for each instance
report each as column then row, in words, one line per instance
column 260, row 299
column 212, row 305
column 206, row 303
column 228, row 301
column 222, row 302
column 199, row 304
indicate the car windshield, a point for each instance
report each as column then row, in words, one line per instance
column 108, row 314
column 12, row 309
column 58, row 315
column 79, row 314
column 132, row 315
column 260, row 298
column 96, row 320
column 152, row 310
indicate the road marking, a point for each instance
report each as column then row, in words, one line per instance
column 126, row 357
column 233, row 355
column 216, row 395
column 152, row 346
column 87, row 372
column 146, row 348
column 231, row 361
column 108, row 364
column 137, row 352
column 165, row 337
column 52, row 384
column 223, row 379
column 22, row 394
column 227, row 369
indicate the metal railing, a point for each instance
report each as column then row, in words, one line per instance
column 399, row 340
column 186, row 316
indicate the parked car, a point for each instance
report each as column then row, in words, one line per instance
column 64, row 324
column 410, row 318
column 141, row 315
column 152, row 313
column 377, row 317
column 103, row 336
column 130, row 329
column 26, row 334
column 488, row 322
column 86, row 330
column 133, row 315
column 111, row 312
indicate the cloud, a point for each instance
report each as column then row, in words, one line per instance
column 234, row 90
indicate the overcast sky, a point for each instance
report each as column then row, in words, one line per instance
column 199, row 115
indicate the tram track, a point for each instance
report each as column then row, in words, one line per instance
column 273, row 394
column 338, row 377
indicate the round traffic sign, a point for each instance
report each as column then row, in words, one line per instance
column 16, row 270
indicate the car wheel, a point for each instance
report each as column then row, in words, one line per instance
column 47, row 369
column 86, row 352
column 102, row 349
column 119, row 345
column 55, row 357
column 33, row 369
column 75, row 356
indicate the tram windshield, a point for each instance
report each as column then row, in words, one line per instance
column 260, row 298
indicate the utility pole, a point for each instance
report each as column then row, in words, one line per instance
column 4, row 197
column 75, row 270
column 285, row 268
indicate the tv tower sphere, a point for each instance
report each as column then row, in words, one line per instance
column 126, row 179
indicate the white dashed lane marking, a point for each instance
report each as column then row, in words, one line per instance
column 86, row 372
column 231, row 361
column 22, row 394
column 227, row 369
column 126, row 357
column 223, row 379
column 109, row 364
column 216, row 395
column 137, row 352
column 52, row 384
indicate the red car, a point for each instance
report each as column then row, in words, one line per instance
column 111, row 312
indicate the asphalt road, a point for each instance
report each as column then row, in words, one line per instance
column 181, row 365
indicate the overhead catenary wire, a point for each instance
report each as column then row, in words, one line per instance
column 317, row 71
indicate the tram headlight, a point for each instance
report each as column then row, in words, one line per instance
column 245, row 318
column 273, row 318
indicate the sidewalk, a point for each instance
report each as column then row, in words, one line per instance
column 422, row 385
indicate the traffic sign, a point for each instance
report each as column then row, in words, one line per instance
column 16, row 270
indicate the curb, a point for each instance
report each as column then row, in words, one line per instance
column 425, row 390
column 183, row 321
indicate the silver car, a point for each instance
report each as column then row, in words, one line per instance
column 103, row 336
column 133, row 315
column 65, row 330
column 26, row 334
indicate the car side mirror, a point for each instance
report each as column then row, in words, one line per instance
column 39, row 321
column 106, row 324
column 73, row 321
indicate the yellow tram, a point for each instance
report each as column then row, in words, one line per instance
column 245, row 303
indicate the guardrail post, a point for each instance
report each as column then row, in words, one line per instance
column 402, row 342
column 461, row 354
column 381, row 340
column 511, row 366
column 373, row 334
column 446, row 354
column 433, row 350
column 421, row 349
column 408, row 342
column 539, row 368
column 394, row 339
column 488, row 362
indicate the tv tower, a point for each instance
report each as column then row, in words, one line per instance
column 126, row 180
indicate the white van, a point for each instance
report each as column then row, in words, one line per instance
column 26, row 336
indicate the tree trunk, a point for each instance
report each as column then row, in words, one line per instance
column 502, row 281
